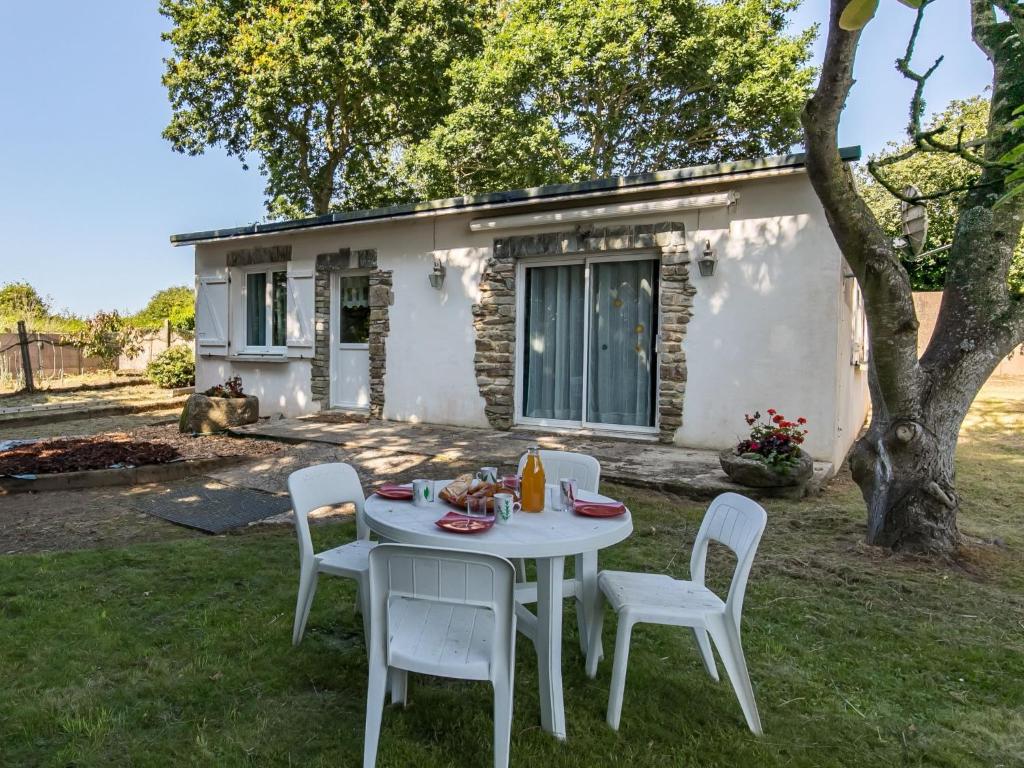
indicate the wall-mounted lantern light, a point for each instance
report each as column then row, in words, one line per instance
column 436, row 275
column 706, row 262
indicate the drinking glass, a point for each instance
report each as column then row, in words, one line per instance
column 476, row 506
column 553, row 498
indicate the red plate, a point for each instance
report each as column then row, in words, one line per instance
column 594, row 509
column 456, row 523
column 395, row 492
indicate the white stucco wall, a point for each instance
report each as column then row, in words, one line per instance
column 430, row 348
column 768, row 328
column 852, row 398
column 765, row 327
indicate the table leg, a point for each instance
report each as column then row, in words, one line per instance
column 550, row 572
column 586, row 595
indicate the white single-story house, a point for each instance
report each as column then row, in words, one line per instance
column 658, row 306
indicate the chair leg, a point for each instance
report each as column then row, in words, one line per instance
column 502, row 719
column 594, row 640
column 706, row 654
column 618, row 685
column 520, row 566
column 399, row 686
column 363, row 598
column 375, row 690
column 586, row 589
column 307, row 589
column 727, row 640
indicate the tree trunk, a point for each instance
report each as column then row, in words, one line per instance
column 905, row 471
column 904, row 465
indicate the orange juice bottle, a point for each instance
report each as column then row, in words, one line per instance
column 531, row 488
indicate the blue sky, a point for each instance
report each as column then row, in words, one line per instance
column 90, row 191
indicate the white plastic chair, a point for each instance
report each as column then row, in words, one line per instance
column 440, row 612
column 327, row 485
column 733, row 520
column 587, row 472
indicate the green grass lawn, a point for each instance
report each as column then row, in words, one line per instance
column 179, row 653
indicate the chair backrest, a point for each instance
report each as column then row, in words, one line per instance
column 737, row 522
column 451, row 576
column 558, row 464
column 324, row 485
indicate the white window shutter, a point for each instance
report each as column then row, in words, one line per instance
column 300, row 312
column 212, row 316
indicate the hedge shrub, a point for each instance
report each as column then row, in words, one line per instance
column 174, row 367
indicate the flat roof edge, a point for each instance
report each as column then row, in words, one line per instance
column 528, row 195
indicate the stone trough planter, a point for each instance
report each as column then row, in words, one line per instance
column 754, row 473
column 204, row 415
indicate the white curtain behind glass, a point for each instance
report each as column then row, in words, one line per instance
column 553, row 357
column 621, row 343
column 256, row 309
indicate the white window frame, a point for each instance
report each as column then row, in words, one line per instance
column 335, row 326
column 268, row 349
column 586, row 260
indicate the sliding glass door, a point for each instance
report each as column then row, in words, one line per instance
column 588, row 343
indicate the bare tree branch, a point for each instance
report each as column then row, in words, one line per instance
column 919, row 80
column 874, row 169
column 888, row 298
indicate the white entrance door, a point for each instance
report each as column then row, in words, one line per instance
column 350, row 356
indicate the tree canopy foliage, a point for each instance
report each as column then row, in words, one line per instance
column 933, row 173
column 323, row 92
column 176, row 304
column 580, row 88
column 352, row 104
column 21, row 301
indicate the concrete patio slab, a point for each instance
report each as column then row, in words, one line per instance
column 401, row 450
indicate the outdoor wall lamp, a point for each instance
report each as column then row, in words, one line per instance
column 436, row 275
column 708, row 259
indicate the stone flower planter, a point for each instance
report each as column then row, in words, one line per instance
column 203, row 414
column 754, row 473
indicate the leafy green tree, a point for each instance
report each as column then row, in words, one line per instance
column 176, row 304
column 932, row 174
column 108, row 335
column 20, row 301
column 323, row 92
column 575, row 88
column 905, row 463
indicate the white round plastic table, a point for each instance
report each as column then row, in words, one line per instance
column 547, row 537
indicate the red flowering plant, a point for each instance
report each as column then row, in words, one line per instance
column 230, row 388
column 773, row 440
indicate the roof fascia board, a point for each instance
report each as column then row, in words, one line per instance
column 704, row 175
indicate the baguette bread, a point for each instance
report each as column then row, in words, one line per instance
column 464, row 486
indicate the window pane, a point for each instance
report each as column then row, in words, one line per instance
column 279, row 308
column 553, row 343
column 256, row 309
column 354, row 325
column 623, row 310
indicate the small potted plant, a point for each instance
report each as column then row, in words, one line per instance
column 218, row 408
column 771, row 456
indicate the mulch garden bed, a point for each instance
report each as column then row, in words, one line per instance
column 47, row 457
column 145, row 446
